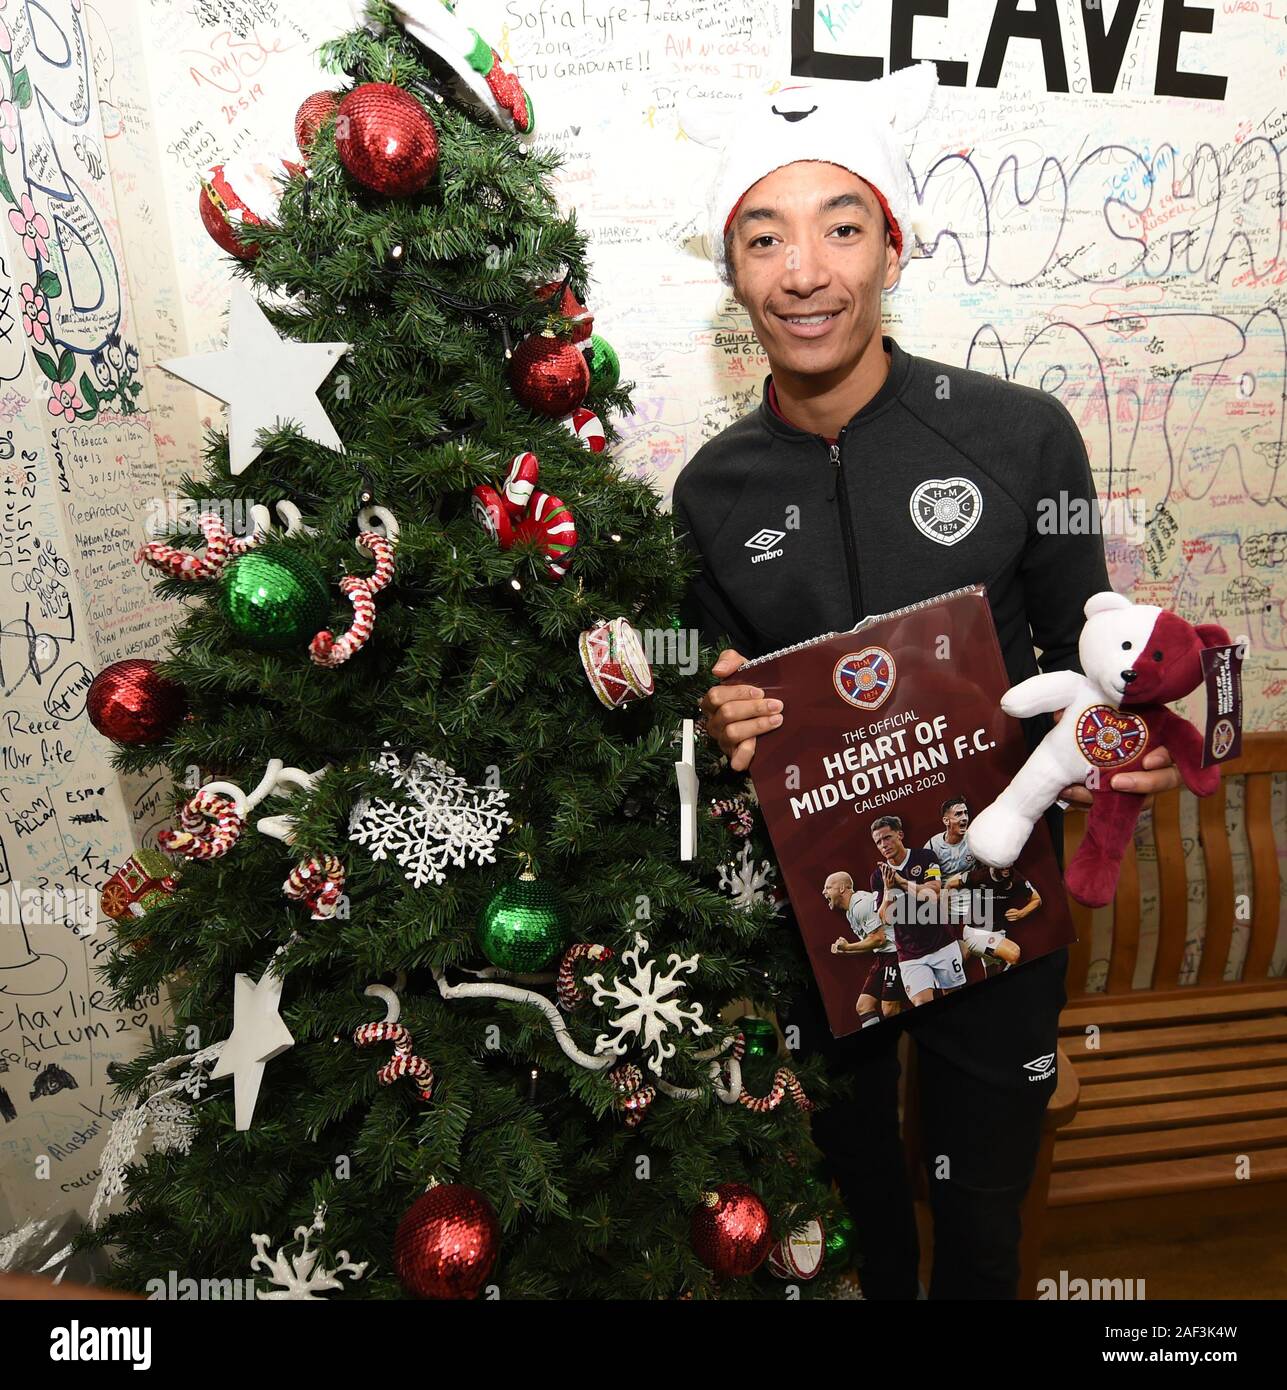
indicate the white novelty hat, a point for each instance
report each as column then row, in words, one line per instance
column 862, row 126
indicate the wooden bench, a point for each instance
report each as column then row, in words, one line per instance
column 1183, row 1088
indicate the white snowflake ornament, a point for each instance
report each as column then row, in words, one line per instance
column 646, row 1010
column 165, row 1109
column 299, row 1276
column 747, row 884
column 446, row 821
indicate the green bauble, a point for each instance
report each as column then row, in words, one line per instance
column 840, row 1251
column 274, row 597
column 604, row 364
column 521, row 928
column 761, row 1037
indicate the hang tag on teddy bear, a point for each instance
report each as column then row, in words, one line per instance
column 1222, row 671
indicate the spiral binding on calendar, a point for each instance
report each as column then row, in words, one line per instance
column 865, row 622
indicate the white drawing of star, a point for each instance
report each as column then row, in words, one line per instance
column 265, row 380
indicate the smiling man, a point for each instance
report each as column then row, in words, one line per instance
column 867, row 479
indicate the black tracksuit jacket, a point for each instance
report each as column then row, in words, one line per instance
column 935, row 483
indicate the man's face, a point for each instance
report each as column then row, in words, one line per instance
column 957, row 819
column 810, row 243
column 834, row 890
column 888, row 841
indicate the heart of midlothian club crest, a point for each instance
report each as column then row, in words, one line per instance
column 946, row 509
column 865, row 678
column 1106, row 735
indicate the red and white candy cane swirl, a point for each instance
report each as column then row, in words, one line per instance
column 318, row 884
column 569, row 990
column 211, row 825
column 627, row 1081
column 785, row 1082
column 221, row 546
column 328, row 650
column 404, row 1061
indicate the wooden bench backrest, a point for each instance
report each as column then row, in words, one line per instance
column 1263, row 754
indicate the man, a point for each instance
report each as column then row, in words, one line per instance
column 907, row 886
column 952, row 850
column 1009, row 898
column 882, row 994
column 886, row 479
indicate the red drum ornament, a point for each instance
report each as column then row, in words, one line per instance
column 799, row 1255
column 613, row 657
column 386, row 139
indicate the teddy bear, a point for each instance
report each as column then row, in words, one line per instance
column 1136, row 659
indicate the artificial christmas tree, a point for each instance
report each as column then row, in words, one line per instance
column 482, row 808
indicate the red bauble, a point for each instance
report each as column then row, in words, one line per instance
column 129, row 703
column 386, row 139
column 447, row 1243
column 549, row 375
column 570, row 307
column 312, row 115
column 239, row 195
column 732, row 1236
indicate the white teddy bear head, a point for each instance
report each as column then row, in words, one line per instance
column 1115, row 636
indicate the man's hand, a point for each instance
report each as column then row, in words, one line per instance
column 1160, row 775
column 737, row 714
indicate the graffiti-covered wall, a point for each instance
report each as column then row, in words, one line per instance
column 1101, row 210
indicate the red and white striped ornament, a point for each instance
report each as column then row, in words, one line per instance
column 785, row 1083
column 550, row 521
column 627, row 1081
column 211, row 825
column 587, row 427
column 491, row 512
column 569, row 991
column 328, row 650
column 318, row 883
column 404, row 1061
column 520, row 483
column 220, row 547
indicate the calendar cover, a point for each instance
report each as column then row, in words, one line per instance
column 892, row 738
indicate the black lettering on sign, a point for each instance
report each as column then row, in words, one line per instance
column 1105, row 46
